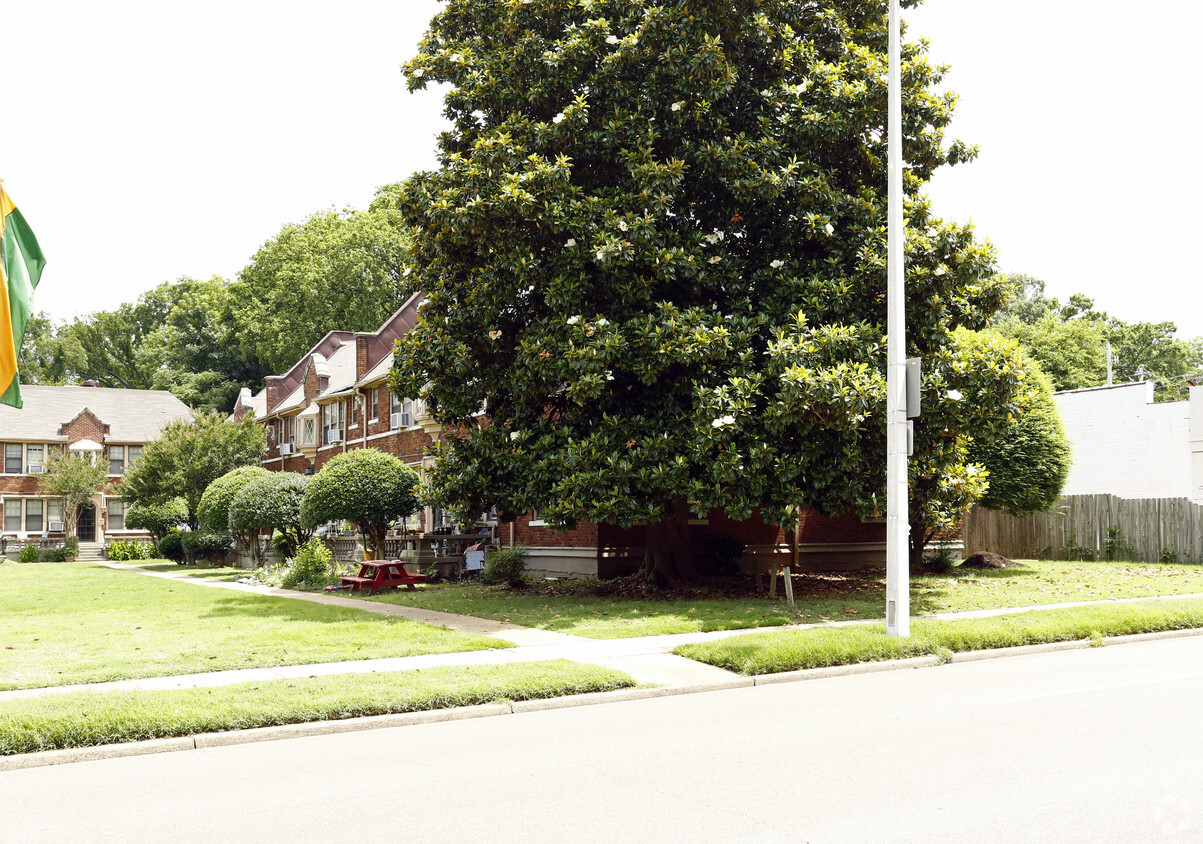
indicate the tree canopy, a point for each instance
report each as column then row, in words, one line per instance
column 273, row 502
column 188, row 456
column 157, row 519
column 333, row 271
column 1028, row 462
column 364, row 486
column 655, row 250
column 1069, row 342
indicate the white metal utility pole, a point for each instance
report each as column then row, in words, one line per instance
column 898, row 591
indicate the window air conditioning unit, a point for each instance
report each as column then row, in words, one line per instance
column 400, row 420
column 54, row 527
column 286, row 448
column 334, row 437
column 36, row 469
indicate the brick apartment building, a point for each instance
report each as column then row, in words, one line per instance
column 336, row 398
column 111, row 424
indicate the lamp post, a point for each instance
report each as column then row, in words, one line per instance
column 898, row 608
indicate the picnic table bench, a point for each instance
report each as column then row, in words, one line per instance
column 381, row 574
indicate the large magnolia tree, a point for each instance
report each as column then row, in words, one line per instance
column 655, row 251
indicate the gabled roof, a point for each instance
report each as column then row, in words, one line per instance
column 132, row 415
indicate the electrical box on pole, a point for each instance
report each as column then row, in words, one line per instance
column 914, row 384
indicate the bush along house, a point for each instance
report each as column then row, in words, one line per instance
column 337, row 398
column 110, row 425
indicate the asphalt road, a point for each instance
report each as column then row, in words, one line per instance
column 1097, row 745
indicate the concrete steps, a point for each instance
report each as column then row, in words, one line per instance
column 90, row 552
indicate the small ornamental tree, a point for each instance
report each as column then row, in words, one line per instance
column 214, row 509
column 73, row 479
column 272, row 502
column 157, row 519
column 655, row 250
column 189, row 455
column 364, row 486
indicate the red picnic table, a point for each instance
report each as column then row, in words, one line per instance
column 381, row 574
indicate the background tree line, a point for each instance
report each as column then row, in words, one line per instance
column 1069, row 342
column 204, row 340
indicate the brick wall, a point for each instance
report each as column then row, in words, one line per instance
column 85, row 426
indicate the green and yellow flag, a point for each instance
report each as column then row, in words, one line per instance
column 21, row 265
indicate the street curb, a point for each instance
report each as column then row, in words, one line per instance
column 318, row 728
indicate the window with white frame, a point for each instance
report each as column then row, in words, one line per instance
column 12, row 515
column 116, row 514
column 33, row 515
column 332, row 422
column 133, row 453
column 373, row 404
column 353, row 400
column 401, row 412
column 34, row 459
column 308, row 430
column 12, row 458
column 54, row 514
column 116, row 460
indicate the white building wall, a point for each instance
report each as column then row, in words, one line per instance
column 1125, row 444
column 1196, row 443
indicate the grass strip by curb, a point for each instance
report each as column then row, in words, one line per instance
column 88, row 719
column 790, row 650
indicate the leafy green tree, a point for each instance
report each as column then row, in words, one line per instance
column 333, row 271
column 188, row 456
column 157, row 519
column 1069, row 342
column 273, row 502
column 216, row 506
column 44, row 356
column 1073, row 353
column 364, row 486
column 1028, row 463
column 73, row 479
column 655, row 251
column 195, row 353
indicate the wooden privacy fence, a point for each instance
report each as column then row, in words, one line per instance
column 1149, row 529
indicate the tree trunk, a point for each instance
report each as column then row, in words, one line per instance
column 667, row 562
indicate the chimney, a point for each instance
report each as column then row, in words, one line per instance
column 90, row 383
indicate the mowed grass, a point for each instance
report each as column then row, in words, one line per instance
column 85, row 719
column 789, row 650
column 68, row 623
column 570, row 608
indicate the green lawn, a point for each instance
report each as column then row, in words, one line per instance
column 789, row 650
column 67, row 623
column 569, row 608
column 84, row 719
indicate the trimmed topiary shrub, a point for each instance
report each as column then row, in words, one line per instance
column 506, row 566
column 313, row 566
column 171, row 546
column 206, row 544
column 157, row 519
column 213, row 511
column 364, row 486
column 273, row 502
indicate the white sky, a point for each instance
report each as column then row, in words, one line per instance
column 146, row 141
